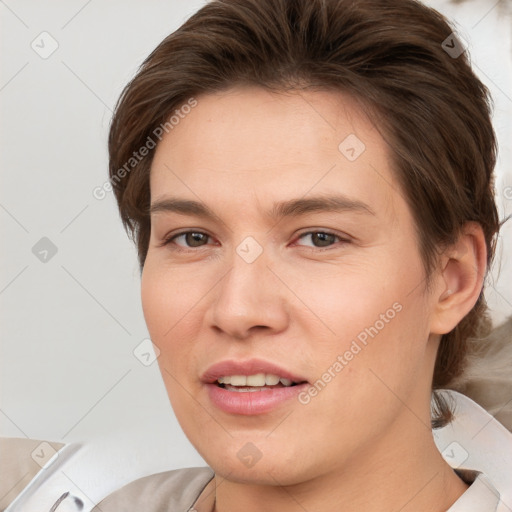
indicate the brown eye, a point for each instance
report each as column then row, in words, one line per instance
column 320, row 238
column 195, row 239
column 191, row 239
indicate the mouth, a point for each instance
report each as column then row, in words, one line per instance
column 251, row 387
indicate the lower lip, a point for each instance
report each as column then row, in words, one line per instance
column 252, row 402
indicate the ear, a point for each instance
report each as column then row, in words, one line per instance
column 460, row 279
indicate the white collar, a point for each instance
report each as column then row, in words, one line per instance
column 480, row 448
column 481, row 496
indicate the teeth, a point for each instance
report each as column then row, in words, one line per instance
column 271, row 380
column 256, row 380
column 238, row 380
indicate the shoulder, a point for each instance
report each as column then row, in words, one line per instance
column 171, row 490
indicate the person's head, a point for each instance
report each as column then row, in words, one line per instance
column 252, row 103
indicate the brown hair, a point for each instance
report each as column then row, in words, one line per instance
column 397, row 58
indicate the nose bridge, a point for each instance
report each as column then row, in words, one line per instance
column 248, row 296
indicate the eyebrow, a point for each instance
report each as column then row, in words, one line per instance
column 290, row 208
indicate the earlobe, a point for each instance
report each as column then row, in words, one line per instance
column 460, row 280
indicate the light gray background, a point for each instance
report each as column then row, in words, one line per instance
column 69, row 325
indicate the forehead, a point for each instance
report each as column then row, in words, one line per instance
column 248, row 146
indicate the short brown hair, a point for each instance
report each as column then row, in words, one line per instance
column 393, row 57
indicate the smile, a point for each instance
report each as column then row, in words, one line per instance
column 251, row 387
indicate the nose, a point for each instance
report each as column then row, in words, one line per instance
column 248, row 299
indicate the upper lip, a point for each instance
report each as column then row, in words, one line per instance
column 249, row 367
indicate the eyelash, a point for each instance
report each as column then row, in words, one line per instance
column 169, row 240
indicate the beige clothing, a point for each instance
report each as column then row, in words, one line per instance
column 181, row 490
column 171, row 491
column 20, row 461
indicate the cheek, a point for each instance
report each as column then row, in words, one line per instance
column 373, row 319
column 173, row 306
column 165, row 315
column 345, row 302
column 170, row 295
column 157, row 305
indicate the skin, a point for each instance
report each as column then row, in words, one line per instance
column 365, row 440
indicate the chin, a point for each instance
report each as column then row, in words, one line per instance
column 258, row 463
column 271, row 472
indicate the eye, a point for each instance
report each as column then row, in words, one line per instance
column 190, row 239
column 321, row 239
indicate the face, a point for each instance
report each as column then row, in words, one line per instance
column 283, row 250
